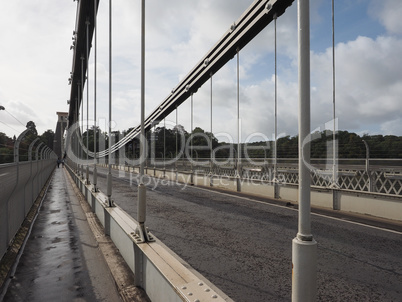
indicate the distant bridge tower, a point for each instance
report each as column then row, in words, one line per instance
column 58, row 141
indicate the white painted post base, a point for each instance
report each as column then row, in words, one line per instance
column 304, row 270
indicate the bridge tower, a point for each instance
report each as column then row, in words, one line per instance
column 58, row 141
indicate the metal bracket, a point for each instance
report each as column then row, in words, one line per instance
column 270, row 4
column 109, row 203
column 198, row 291
column 142, row 235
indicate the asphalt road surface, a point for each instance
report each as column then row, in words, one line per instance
column 243, row 244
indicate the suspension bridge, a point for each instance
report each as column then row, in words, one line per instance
column 100, row 223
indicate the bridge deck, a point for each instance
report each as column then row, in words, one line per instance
column 242, row 243
column 63, row 258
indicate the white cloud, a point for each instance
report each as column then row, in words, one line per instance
column 368, row 90
column 389, row 13
column 36, row 62
column 392, row 127
column 369, row 79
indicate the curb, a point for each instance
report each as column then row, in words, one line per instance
column 121, row 273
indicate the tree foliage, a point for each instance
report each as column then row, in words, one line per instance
column 47, row 138
column 348, row 144
column 7, row 144
column 31, row 126
column 168, row 142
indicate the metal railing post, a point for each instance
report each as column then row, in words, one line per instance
column 177, row 143
column 210, row 151
column 334, row 152
column 82, row 119
column 153, row 151
column 30, row 172
column 191, row 139
column 141, row 234
column 35, row 193
column 17, row 157
column 77, row 144
column 95, row 171
column 367, row 167
column 238, row 167
column 87, row 81
column 304, row 247
column 42, row 164
column 275, row 178
column 164, row 147
column 109, row 174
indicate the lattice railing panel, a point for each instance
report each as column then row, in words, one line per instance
column 378, row 181
column 387, row 183
column 358, row 182
column 321, row 178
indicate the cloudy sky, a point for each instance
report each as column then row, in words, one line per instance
column 36, row 60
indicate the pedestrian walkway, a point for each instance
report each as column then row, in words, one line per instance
column 62, row 260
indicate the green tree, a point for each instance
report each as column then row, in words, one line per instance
column 47, row 138
column 31, row 126
column 6, row 149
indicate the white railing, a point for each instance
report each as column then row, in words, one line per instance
column 20, row 185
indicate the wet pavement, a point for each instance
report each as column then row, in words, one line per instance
column 61, row 260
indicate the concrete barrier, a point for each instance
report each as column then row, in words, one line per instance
column 379, row 205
